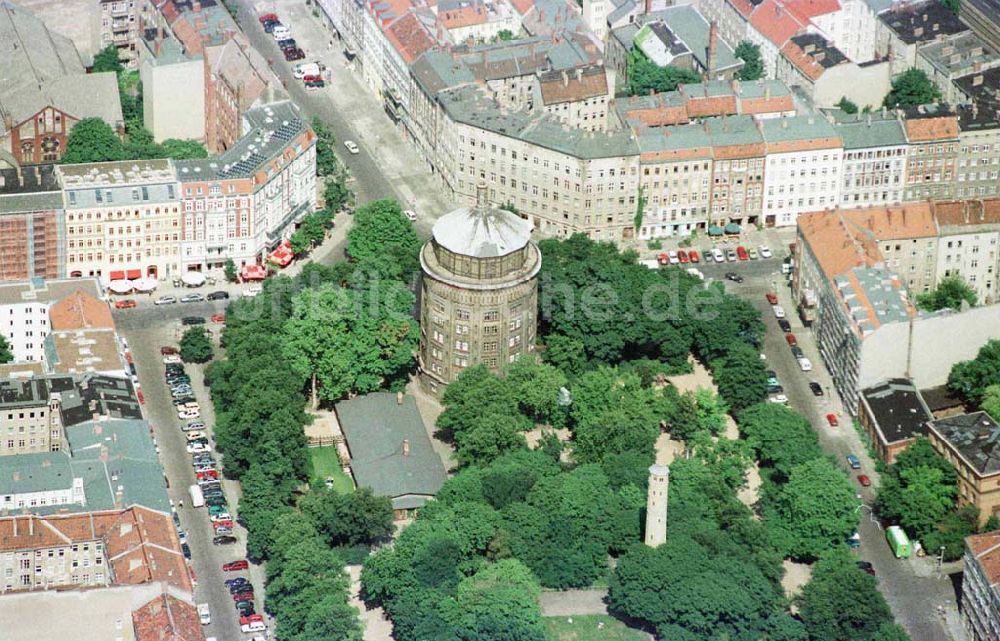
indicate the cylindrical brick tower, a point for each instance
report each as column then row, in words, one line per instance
column 479, row 296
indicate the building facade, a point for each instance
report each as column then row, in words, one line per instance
column 122, row 27
column 874, row 161
column 980, row 577
column 966, row 442
column 804, row 156
column 479, row 292
column 30, row 419
column 32, row 241
column 893, row 414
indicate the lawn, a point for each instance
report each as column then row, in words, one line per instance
column 326, row 463
column 585, row 628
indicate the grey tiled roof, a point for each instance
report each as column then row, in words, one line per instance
column 47, row 291
column 863, row 131
column 975, row 436
column 376, row 427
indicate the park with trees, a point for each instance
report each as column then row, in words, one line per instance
column 566, row 513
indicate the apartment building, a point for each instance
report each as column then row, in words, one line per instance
column 478, row 20
column 30, row 419
column 932, row 158
column 24, row 312
column 121, row 26
column 581, row 98
column 966, row 441
column 960, row 55
column 979, row 136
column 675, row 180
column 737, row 184
column 969, row 234
column 905, row 28
column 855, row 274
column 123, row 546
column 827, row 75
column 241, row 204
column 31, row 241
column 804, row 157
column 874, row 160
column 123, row 219
column 980, row 577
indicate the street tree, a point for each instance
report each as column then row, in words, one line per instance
column 911, row 89
column 753, row 64
column 195, row 346
column 229, row 270
column 918, row 489
column 813, row 512
column 950, row 293
column 969, row 379
column 841, row 603
column 381, row 238
column 92, row 140
column 326, row 159
column 951, row 531
column 6, row 354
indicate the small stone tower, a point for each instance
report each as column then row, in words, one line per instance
column 656, row 505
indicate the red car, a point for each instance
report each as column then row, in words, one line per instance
column 138, row 394
column 864, row 480
column 233, row 566
column 682, row 256
column 742, row 253
column 243, row 596
column 268, row 17
column 832, row 420
column 790, row 339
column 225, row 524
column 250, row 619
column 772, row 298
column 167, row 350
column 218, row 318
column 128, row 303
column 204, row 475
column 693, row 255
column 663, row 259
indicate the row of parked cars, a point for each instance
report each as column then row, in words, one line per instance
column 717, row 254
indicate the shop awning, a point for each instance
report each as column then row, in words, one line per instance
column 120, row 286
column 715, row 231
column 134, row 274
column 732, row 228
column 253, row 272
column 283, row 254
column 193, row 279
column 117, row 275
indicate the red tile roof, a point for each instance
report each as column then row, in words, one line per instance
column 78, row 311
column 837, row 247
column 931, row 129
column 557, row 88
column 523, row 6
column 167, row 618
column 775, row 22
column 743, row 7
column 806, row 10
column 465, row 15
column 409, row 36
column 802, row 61
column 986, row 548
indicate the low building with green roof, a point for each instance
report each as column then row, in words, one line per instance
column 390, row 450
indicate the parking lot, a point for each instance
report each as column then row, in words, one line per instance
column 146, row 330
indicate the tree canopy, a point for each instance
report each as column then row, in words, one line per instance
column 92, row 140
column 6, row 354
column 969, row 379
column 107, row 60
column 950, row 293
column 196, row 347
column 383, row 241
column 644, row 75
column 911, row 89
column 753, row 64
column 918, row 489
column 847, row 106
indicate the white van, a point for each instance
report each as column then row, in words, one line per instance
column 281, row 32
column 203, row 614
column 306, row 69
column 805, row 364
column 253, row 626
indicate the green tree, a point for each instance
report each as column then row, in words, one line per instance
column 814, row 511
column 847, row 106
column 911, row 89
column 951, row 532
column 711, row 411
column 229, row 269
column 107, row 60
column 890, row 631
column 487, row 437
column 567, row 354
column 781, row 439
column 355, row 518
column 950, row 293
column 644, row 75
column 196, row 346
column 260, row 507
column 753, row 64
column 969, row 379
column 989, row 404
column 918, row 489
column 326, row 160
column 382, row 240
column 955, row 6
column 335, row 194
column 183, row 149
column 92, row 140
column 536, row 387
column 506, row 35
column 841, row 603
column 612, row 413
column 504, row 591
column 741, row 376
column 6, row 355
column 345, row 340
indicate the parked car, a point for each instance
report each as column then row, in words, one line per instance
column 693, row 255
column 866, row 566
column 854, row 462
column 731, row 255
column 294, row 54
column 219, row 295
column 784, row 325
column 779, row 311
column 682, row 256
column 352, row 146
column 169, row 349
column 245, row 608
column 192, row 320
column 281, row 32
column 233, row 566
column 251, row 291
column 128, row 303
column 741, row 253
column 196, row 435
column 777, row 398
column 765, row 251
column 662, row 258
column 816, row 388
column 733, row 276
column 775, row 388
column 752, row 253
column 805, row 364
column 172, row 358
column 251, row 619
column 791, row 340
column 165, row 300
column 269, row 27
column 237, row 584
column 832, row 420
column 314, row 81
column 672, row 257
column 218, row 318
column 218, row 524
column 772, row 298
column 797, row 352
column 186, row 550
column 267, row 17
column 219, row 514
column 243, row 596
column 410, row 215
column 864, row 480
column 192, row 298
column 193, row 448
column 718, row 255
column 287, row 43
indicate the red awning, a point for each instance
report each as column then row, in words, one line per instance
column 253, row 272
column 117, row 275
column 134, row 274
